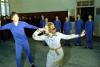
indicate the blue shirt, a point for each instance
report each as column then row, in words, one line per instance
column 18, row 31
column 89, row 27
column 78, row 26
column 42, row 23
column 67, row 26
column 57, row 24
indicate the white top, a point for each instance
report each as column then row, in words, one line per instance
column 54, row 41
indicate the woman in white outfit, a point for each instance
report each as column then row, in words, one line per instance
column 52, row 38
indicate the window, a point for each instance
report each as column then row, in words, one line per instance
column 85, row 3
column 7, row 8
column 2, row 0
column 4, row 7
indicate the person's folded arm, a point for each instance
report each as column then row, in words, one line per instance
column 36, row 36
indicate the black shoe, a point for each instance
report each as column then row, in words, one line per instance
column 68, row 46
column 76, row 44
column 80, row 45
column 91, row 48
column 85, row 47
column 32, row 65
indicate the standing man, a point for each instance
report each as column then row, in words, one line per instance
column 0, row 31
column 89, row 28
column 21, row 42
column 57, row 24
column 46, row 21
column 42, row 22
column 78, row 29
column 67, row 29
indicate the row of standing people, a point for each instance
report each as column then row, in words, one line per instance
column 67, row 27
column 79, row 26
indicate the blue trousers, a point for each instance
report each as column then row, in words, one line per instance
column 58, row 30
column 19, row 48
column 67, row 41
column 78, row 41
column 89, row 40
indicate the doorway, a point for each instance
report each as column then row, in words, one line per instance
column 85, row 11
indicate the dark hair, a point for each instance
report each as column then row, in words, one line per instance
column 12, row 14
column 89, row 15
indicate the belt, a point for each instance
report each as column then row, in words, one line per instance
column 56, row 50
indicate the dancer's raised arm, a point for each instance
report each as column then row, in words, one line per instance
column 36, row 35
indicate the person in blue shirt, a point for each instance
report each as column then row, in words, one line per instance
column 57, row 24
column 42, row 22
column 21, row 42
column 0, row 31
column 78, row 29
column 89, row 28
column 67, row 29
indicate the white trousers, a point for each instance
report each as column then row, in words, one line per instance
column 53, row 59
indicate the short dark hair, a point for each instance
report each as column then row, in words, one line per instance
column 12, row 14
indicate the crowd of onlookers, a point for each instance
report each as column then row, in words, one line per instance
column 61, row 26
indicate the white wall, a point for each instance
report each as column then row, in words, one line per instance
column 13, row 5
column 97, row 19
column 97, row 3
column 27, row 6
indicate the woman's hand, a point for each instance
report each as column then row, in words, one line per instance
column 83, row 33
column 41, row 29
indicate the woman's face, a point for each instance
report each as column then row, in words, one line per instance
column 15, row 18
column 51, row 30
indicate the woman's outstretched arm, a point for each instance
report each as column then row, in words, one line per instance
column 72, row 36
